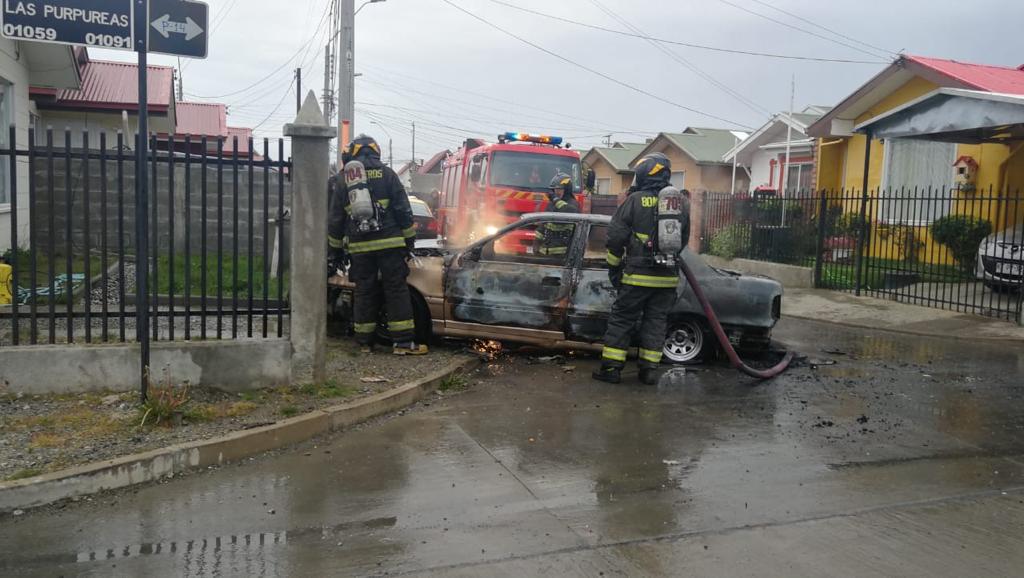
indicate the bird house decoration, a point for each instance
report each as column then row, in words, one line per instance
column 966, row 174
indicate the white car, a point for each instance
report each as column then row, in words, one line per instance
column 1001, row 259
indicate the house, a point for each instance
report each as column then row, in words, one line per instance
column 106, row 101
column 202, row 119
column 696, row 155
column 918, row 167
column 612, row 166
column 22, row 65
column 763, row 154
column 404, row 173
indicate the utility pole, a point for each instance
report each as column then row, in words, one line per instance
column 608, row 141
column 789, row 140
column 298, row 90
column 346, row 57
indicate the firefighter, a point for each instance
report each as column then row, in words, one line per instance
column 554, row 238
column 377, row 242
column 645, row 282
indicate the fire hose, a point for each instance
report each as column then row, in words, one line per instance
column 723, row 339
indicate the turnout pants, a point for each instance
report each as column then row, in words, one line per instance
column 651, row 306
column 381, row 276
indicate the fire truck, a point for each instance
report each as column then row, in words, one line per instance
column 487, row 186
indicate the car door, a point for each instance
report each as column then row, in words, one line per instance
column 505, row 281
column 592, row 295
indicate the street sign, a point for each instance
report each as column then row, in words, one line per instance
column 178, row 27
column 100, row 23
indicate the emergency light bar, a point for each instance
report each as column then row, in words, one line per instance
column 523, row 137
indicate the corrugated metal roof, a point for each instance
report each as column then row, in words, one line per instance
column 1003, row 79
column 704, row 145
column 622, row 156
column 115, row 84
column 201, row 119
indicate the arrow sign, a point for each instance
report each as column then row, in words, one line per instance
column 165, row 26
column 178, row 27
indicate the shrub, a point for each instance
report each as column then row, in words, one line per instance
column 962, row 235
column 849, row 225
column 730, row 242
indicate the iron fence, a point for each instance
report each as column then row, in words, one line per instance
column 217, row 239
column 949, row 248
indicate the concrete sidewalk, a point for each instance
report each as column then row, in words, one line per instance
column 868, row 312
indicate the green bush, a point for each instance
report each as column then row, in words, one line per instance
column 849, row 225
column 730, row 242
column 962, row 235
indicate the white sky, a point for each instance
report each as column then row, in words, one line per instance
column 404, row 46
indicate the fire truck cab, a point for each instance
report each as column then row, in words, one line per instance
column 487, row 186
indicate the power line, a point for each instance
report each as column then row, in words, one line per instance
column 797, row 28
column 283, row 98
column 593, row 71
column 812, row 23
column 686, row 63
column 678, row 43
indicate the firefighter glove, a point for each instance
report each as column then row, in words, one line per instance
column 410, row 244
column 615, row 276
column 337, row 259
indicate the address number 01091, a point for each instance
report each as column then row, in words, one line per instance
column 108, row 40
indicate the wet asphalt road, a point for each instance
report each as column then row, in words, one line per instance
column 905, row 457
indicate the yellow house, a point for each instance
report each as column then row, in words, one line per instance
column 915, row 173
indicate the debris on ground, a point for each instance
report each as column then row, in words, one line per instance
column 373, row 379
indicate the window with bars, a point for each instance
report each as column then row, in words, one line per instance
column 920, row 174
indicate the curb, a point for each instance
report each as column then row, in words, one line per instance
column 983, row 338
column 165, row 462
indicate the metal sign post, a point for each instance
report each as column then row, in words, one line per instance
column 142, row 200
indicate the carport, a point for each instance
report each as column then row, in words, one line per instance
column 960, row 116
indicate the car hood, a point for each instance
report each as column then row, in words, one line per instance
column 1012, row 236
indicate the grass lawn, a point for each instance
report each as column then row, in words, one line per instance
column 23, row 263
column 837, row 276
column 211, row 288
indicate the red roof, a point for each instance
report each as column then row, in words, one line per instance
column 115, row 85
column 201, row 119
column 986, row 77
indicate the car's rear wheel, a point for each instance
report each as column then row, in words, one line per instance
column 687, row 342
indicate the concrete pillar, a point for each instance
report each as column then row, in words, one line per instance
column 311, row 137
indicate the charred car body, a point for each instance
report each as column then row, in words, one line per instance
column 493, row 290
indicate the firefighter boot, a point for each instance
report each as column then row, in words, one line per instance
column 608, row 373
column 410, row 348
column 648, row 376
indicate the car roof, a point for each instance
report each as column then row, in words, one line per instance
column 573, row 217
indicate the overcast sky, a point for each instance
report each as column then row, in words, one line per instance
column 455, row 76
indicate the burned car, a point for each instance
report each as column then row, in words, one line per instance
column 503, row 288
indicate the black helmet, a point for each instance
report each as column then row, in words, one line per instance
column 363, row 145
column 654, row 171
column 561, row 182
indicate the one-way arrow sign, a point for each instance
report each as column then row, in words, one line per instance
column 178, row 27
column 165, row 26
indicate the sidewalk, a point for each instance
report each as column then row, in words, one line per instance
column 871, row 313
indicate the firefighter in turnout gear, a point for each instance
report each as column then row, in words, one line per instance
column 371, row 225
column 554, row 238
column 644, row 242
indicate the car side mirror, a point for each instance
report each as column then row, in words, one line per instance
column 591, row 181
column 474, row 173
column 471, row 254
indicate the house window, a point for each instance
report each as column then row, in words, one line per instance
column 6, row 115
column 920, row 174
column 678, row 179
column 604, row 186
column 799, row 178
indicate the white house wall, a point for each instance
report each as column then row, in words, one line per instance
column 13, row 70
column 760, row 168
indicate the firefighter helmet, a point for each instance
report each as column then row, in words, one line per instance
column 654, row 171
column 363, row 145
column 561, row 183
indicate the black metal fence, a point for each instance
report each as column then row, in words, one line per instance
column 950, row 248
column 217, row 239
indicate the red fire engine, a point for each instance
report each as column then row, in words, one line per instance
column 487, row 186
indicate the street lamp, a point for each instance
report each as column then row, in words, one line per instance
column 363, row 5
column 391, row 158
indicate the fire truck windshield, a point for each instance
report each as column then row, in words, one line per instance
column 531, row 171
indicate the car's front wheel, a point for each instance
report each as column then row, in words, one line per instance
column 687, row 342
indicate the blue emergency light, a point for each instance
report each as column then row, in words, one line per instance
column 523, row 137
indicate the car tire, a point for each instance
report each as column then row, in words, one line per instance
column 688, row 341
column 420, row 314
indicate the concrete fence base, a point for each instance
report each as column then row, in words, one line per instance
column 232, row 366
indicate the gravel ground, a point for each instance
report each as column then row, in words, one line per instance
column 40, row 434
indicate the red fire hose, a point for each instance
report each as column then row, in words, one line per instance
column 734, row 359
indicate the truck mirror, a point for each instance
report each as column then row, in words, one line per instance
column 474, row 173
column 591, row 180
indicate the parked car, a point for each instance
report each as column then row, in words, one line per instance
column 1001, row 259
column 492, row 289
column 423, row 219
